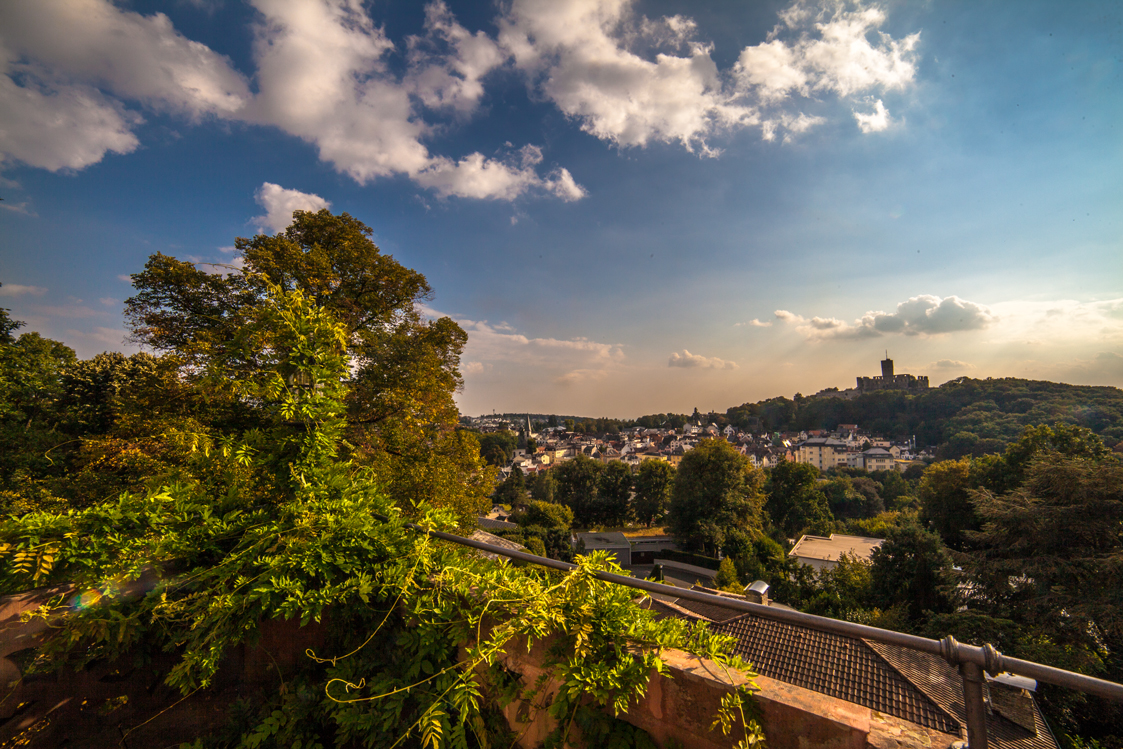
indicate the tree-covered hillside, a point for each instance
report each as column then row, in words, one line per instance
column 970, row 416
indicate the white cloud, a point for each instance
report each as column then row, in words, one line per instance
column 15, row 289
column 328, row 74
column 1036, row 321
column 754, row 323
column 448, row 64
column 323, row 75
column 113, row 338
column 630, row 80
column 577, row 54
column 875, row 121
column 136, row 57
column 950, row 364
column 279, row 204
column 62, row 127
column 689, row 360
column 21, row 207
column 920, row 315
column 69, row 54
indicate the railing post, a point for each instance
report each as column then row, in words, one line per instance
column 972, row 675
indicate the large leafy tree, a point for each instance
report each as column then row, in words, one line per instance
column 716, row 497
column 653, row 482
column 576, row 486
column 796, row 504
column 404, row 371
column 913, row 569
column 1051, row 552
column 614, row 492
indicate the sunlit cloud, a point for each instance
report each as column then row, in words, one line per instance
column 924, row 315
column 689, row 360
column 15, row 289
column 279, row 204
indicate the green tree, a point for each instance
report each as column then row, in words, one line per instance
column 547, row 515
column 400, row 411
column 614, row 491
column 912, row 568
column 497, row 448
column 654, row 480
column 726, row 578
column 716, row 494
column 795, row 503
column 945, row 501
column 512, row 490
column 542, row 486
column 576, row 483
column 1059, row 537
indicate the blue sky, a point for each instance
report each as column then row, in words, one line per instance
column 631, row 207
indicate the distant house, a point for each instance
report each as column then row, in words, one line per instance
column 878, row 459
column 822, row 452
column 823, row 553
column 615, row 543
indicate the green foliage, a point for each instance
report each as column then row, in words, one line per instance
column 987, row 413
column 547, row 515
column 512, row 490
column 542, row 486
column 497, row 448
column 795, row 502
column 297, row 529
column 912, row 568
column 577, row 482
column 726, row 578
column 614, row 491
column 653, row 483
column 716, row 497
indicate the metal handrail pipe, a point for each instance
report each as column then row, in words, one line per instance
column 954, row 652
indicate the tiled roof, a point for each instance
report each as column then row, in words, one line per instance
column 842, row 667
column 495, row 525
column 941, row 682
column 914, row 686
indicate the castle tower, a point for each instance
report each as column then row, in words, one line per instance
column 887, row 368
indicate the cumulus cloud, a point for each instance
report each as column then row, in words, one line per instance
column 950, row 364
column 754, row 323
column 689, row 360
column 924, row 315
column 324, row 74
column 328, row 74
column 631, row 80
column 63, row 127
column 15, row 289
column 133, row 56
column 577, row 54
column 875, row 121
column 279, row 204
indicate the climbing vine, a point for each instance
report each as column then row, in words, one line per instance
column 418, row 628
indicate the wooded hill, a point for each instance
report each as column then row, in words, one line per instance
column 964, row 416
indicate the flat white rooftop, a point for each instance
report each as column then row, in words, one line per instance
column 831, row 549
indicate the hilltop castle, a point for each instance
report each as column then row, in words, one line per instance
column 890, row 381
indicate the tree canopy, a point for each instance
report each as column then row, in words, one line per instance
column 716, row 497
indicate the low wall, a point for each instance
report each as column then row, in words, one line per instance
column 680, row 706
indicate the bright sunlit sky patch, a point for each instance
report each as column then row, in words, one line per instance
column 631, row 207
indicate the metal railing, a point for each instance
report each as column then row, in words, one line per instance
column 970, row 660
